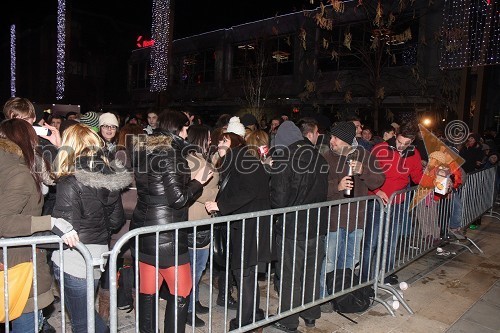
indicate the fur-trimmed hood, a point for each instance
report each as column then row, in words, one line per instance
column 100, row 175
column 153, row 142
column 10, row 147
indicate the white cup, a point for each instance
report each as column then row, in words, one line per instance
column 403, row 285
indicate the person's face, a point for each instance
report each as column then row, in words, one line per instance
column 56, row 123
column 402, row 143
column 152, row 119
column 184, row 132
column 493, row 159
column 339, row 146
column 133, row 121
column 108, row 132
column 274, row 124
column 359, row 127
column 366, row 134
column 471, row 141
column 388, row 135
column 72, row 117
column 223, row 146
column 313, row 136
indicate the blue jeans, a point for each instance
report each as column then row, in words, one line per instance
column 200, row 265
column 343, row 251
column 456, row 210
column 75, row 300
column 26, row 323
column 399, row 218
column 343, row 248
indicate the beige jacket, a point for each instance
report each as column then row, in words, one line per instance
column 197, row 210
column 20, row 209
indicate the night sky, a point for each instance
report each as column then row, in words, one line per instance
column 130, row 19
column 191, row 16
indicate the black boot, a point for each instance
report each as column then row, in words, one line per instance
column 147, row 313
column 182, row 312
column 231, row 302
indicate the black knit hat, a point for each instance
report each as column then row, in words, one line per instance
column 345, row 131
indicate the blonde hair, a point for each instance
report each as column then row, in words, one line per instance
column 77, row 140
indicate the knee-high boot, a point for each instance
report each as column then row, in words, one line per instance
column 147, row 313
column 182, row 311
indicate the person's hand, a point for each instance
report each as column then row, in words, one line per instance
column 211, row 206
column 54, row 137
column 346, row 183
column 382, row 195
column 268, row 161
column 204, row 174
column 65, row 230
column 70, row 238
column 357, row 167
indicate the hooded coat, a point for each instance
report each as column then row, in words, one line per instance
column 299, row 177
column 20, row 209
column 164, row 192
column 90, row 199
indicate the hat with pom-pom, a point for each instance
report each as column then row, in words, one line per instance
column 236, row 127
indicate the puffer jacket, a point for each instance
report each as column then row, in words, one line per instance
column 20, row 209
column 164, row 192
column 90, row 200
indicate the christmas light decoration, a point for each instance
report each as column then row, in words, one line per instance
column 61, row 48
column 12, row 60
column 470, row 35
column 161, row 32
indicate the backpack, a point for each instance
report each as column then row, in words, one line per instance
column 125, row 300
column 357, row 300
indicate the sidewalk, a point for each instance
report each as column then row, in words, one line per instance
column 455, row 293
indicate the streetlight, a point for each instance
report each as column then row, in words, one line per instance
column 426, row 122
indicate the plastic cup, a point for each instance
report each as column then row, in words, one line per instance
column 403, row 285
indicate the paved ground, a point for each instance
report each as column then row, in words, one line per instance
column 455, row 293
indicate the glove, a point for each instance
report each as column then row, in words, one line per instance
column 64, row 229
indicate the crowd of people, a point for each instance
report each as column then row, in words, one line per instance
column 73, row 180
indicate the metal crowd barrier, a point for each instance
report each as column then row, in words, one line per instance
column 416, row 222
column 379, row 241
column 304, row 254
column 33, row 242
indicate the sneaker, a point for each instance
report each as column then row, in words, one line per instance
column 473, row 227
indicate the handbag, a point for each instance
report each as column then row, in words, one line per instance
column 20, row 279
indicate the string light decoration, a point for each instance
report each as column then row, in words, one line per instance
column 470, row 34
column 12, row 60
column 161, row 32
column 61, row 48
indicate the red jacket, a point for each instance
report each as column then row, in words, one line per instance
column 398, row 167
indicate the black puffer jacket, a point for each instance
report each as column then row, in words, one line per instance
column 90, row 200
column 299, row 177
column 164, row 193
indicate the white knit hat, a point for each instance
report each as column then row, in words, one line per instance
column 236, row 127
column 108, row 119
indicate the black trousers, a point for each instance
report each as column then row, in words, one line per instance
column 250, row 297
column 305, row 270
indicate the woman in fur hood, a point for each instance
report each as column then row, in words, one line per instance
column 164, row 192
column 88, row 196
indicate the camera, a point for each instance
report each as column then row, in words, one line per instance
column 41, row 130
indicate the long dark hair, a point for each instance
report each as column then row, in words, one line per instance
column 172, row 121
column 23, row 135
column 198, row 137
